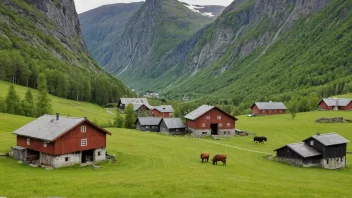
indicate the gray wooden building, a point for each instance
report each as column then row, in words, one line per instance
column 172, row 126
column 324, row 150
column 148, row 124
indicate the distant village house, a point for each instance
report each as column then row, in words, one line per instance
column 148, row 124
column 172, row 126
column 143, row 109
column 59, row 141
column 210, row 120
column 268, row 108
column 163, row 111
column 335, row 104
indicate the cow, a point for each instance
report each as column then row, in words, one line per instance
column 260, row 139
column 219, row 157
column 204, row 156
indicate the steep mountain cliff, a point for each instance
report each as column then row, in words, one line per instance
column 44, row 36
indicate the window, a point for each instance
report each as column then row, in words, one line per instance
column 99, row 153
column 28, row 141
column 203, row 124
column 208, row 117
column 83, row 129
column 220, row 124
column 84, row 142
column 147, row 127
column 45, row 143
column 312, row 142
column 177, row 130
column 341, row 159
column 66, row 159
column 204, row 133
column 327, row 161
column 219, row 117
column 288, row 150
column 228, row 124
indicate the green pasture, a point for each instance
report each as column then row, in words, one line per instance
column 153, row 165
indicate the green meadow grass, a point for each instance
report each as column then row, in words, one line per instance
column 66, row 107
column 153, row 165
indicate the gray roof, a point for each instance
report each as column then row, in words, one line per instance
column 149, row 121
column 18, row 147
column 198, row 112
column 332, row 102
column 47, row 128
column 270, row 105
column 165, row 108
column 136, row 101
column 329, row 139
column 303, row 149
column 174, row 123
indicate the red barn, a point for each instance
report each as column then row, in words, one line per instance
column 163, row 111
column 210, row 120
column 268, row 108
column 59, row 141
column 335, row 104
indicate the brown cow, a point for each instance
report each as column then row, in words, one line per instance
column 204, row 156
column 220, row 157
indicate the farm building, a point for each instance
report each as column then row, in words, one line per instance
column 148, row 124
column 136, row 102
column 172, row 126
column 59, row 141
column 335, row 104
column 210, row 120
column 268, row 108
column 325, row 150
column 163, row 111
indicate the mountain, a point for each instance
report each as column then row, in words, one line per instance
column 206, row 10
column 150, row 35
column 45, row 37
column 102, row 28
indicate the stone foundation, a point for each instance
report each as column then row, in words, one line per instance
column 333, row 163
column 99, row 154
column 199, row 133
column 66, row 160
column 294, row 162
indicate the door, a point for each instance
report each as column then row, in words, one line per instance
column 214, row 129
column 87, row 156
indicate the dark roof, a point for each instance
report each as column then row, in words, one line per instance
column 202, row 110
column 48, row 128
column 165, row 109
column 332, row 102
column 330, row 139
column 149, row 121
column 174, row 123
column 270, row 105
column 302, row 149
column 136, row 102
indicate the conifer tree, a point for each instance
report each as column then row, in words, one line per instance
column 13, row 105
column 2, row 105
column 28, row 105
column 130, row 117
column 43, row 100
column 119, row 120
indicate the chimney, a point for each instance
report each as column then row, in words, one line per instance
column 85, row 117
column 318, row 133
column 57, row 116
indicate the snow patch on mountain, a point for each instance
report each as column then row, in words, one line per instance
column 197, row 8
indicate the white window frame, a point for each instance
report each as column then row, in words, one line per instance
column 203, row 125
column 207, row 117
column 83, row 129
column 219, row 117
column 45, row 144
column 28, row 141
column 147, row 127
column 84, row 142
column 228, row 124
column 312, row 142
column 220, row 124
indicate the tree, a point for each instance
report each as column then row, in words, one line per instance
column 313, row 101
column 2, row 105
column 130, row 117
column 12, row 101
column 43, row 100
column 28, row 106
column 119, row 120
column 293, row 107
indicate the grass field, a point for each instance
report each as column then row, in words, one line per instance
column 153, row 165
column 66, row 107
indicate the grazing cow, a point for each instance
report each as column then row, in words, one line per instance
column 204, row 156
column 260, row 139
column 219, row 157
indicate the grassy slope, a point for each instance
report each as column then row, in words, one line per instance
column 66, row 107
column 152, row 165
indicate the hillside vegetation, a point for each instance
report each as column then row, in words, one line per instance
column 67, row 107
column 153, row 165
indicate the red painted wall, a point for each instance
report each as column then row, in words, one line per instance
column 69, row 142
column 323, row 105
column 346, row 108
column 197, row 124
column 159, row 114
column 256, row 110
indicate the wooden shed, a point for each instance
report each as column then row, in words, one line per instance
column 148, row 124
column 172, row 126
column 335, row 104
column 163, row 111
column 268, row 108
column 60, row 141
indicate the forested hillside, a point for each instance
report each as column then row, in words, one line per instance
column 45, row 37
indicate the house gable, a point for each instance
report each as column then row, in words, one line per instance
column 213, row 116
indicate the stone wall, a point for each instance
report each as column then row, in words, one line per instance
column 294, row 162
column 66, row 160
column 198, row 133
column 333, row 163
column 99, row 156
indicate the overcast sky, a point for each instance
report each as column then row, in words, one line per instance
column 85, row 5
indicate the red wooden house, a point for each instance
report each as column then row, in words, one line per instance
column 163, row 111
column 335, row 104
column 210, row 120
column 59, row 141
column 268, row 108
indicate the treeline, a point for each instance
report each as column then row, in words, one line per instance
column 29, row 106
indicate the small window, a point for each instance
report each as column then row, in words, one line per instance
column 219, row 117
column 99, row 153
column 45, row 144
column 83, row 129
column 28, row 141
column 220, row 124
column 288, row 150
column 312, row 142
column 208, row 117
column 341, row 159
column 228, row 124
column 177, row 130
column 203, row 124
column 66, row 159
column 147, row 127
column 327, row 161
column 204, row 133
column 83, row 142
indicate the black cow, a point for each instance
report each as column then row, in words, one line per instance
column 260, row 139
